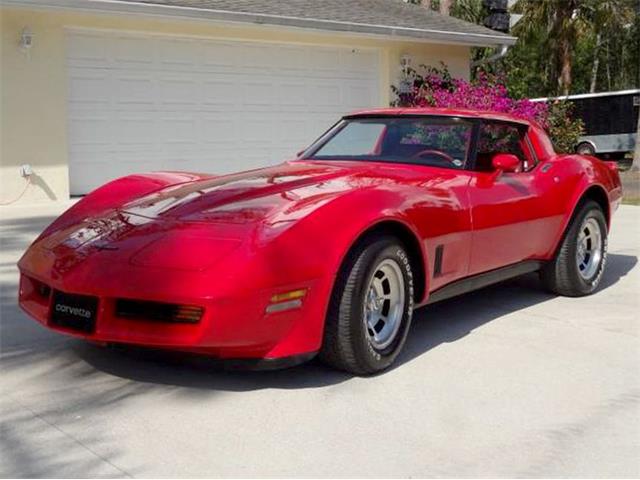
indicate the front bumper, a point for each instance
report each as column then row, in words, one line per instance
column 233, row 325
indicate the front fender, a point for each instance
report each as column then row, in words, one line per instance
column 116, row 193
column 316, row 244
column 314, row 249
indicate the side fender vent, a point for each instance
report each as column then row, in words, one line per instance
column 437, row 262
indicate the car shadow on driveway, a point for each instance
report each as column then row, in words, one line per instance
column 434, row 325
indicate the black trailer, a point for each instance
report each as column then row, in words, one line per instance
column 610, row 121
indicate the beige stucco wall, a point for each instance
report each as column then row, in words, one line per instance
column 34, row 86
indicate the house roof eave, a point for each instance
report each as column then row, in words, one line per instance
column 386, row 31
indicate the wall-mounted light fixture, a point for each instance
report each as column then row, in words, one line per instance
column 405, row 61
column 26, row 38
column 406, row 83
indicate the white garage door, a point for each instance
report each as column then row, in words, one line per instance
column 141, row 103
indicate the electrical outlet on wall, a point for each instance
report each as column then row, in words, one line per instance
column 26, row 170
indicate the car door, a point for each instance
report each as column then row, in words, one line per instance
column 511, row 218
column 439, row 190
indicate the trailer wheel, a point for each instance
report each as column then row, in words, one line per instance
column 585, row 148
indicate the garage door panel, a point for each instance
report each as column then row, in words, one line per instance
column 219, row 131
column 259, row 94
column 132, row 89
column 81, row 174
column 177, row 130
column 89, row 86
column 295, row 132
column 356, row 62
column 137, row 52
column 319, row 123
column 126, row 165
column 141, row 103
column 219, row 93
column 328, row 96
column 257, row 130
column 178, row 90
column 182, row 160
column 139, row 130
column 219, row 58
column 357, row 96
column 326, row 58
column 294, row 61
column 259, row 59
column 174, row 54
column 90, row 131
column 227, row 162
column 292, row 94
column 86, row 50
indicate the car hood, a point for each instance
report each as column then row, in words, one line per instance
column 248, row 197
column 196, row 224
column 224, row 211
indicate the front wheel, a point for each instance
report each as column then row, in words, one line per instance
column 579, row 264
column 371, row 308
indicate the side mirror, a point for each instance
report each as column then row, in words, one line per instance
column 505, row 162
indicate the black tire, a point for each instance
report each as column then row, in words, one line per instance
column 562, row 275
column 347, row 345
column 585, row 148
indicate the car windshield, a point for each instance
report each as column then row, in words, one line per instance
column 433, row 141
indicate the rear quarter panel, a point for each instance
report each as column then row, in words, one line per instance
column 575, row 175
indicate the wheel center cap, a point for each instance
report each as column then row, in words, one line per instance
column 374, row 301
column 377, row 303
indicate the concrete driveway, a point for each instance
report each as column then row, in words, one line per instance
column 508, row 381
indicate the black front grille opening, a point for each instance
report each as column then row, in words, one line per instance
column 158, row 311
column 42, row 290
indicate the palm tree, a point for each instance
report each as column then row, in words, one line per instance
column 564, row 21
column 609, row 18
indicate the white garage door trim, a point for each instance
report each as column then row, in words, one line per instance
column 143, row 102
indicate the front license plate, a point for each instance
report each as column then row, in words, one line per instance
column 76, row 312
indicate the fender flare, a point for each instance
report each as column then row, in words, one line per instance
column 594, row 191
column 314, row 326
column 407, row 233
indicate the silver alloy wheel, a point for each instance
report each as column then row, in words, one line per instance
column 384, row 302
column 589, row 251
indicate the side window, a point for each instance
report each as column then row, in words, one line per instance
column 498, row 137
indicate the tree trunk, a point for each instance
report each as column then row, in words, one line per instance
column 596, row 64
column 426, row 4
column 564, row 80
column 445, row 7
column 608, row 68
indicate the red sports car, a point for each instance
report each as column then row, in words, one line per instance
column 329, row 253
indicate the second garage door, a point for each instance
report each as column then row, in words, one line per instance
column 141, row 103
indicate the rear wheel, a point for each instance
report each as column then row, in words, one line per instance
column 371, row 308
column 579, row 264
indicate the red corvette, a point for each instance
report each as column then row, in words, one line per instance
column 329, row 253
